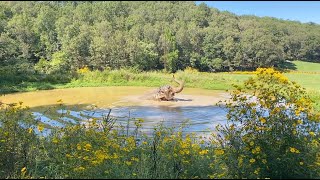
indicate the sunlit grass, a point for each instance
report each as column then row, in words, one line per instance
column 303, row 66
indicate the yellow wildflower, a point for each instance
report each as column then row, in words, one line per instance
column 40, row 127
column 203, row 152
column 100, row 155
column 79, row 168
column 95, row 162
column 251, row 143
column 87, row 147
column 29, row 130
column 83, row 70
column 312, row 133
column 262, row 120
column 301, row 163
column 135, row 159
column 23, row 170
column 78, row 146
column 253, row 151
column 115, row 156
column 258, row 149
column 68, row 156
column 294, row 150
column 145, row 143
column 252, row 160
column 55, row 140
column 218, row 152
column 186, row 151
column 185, row 162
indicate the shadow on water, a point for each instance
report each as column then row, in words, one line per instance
column 198, row 119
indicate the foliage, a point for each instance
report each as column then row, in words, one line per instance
column 58, row 64
column 149, row 36
column 18, row 143
column 273, row 130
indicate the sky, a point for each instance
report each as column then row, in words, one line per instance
column 303, row 11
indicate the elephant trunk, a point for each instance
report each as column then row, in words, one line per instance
column 181, row 85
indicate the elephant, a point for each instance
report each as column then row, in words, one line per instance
column 167, row 92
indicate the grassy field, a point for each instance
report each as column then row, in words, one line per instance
column 305, row 74
column 302, row 66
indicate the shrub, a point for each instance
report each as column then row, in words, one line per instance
column 272, row 129
column 17, row 141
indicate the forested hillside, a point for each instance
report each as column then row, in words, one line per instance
column 54, row 37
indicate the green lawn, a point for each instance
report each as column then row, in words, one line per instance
column 303, row 66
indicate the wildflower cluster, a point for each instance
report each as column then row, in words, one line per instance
column 83, row 70
column 271, row 126
column 191, row 70
column 17, row 140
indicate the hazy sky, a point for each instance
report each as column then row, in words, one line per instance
column 303, row 11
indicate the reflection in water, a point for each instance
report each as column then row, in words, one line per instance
column 200, row 119
column 69, row 120
column 47, row 120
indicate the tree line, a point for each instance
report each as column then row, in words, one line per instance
column 60, row 36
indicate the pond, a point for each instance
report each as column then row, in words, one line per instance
column 196, row 107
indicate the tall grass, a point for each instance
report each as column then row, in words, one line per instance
column 192, row 78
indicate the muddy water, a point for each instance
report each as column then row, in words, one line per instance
column 194, row 106
column 100, row 96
